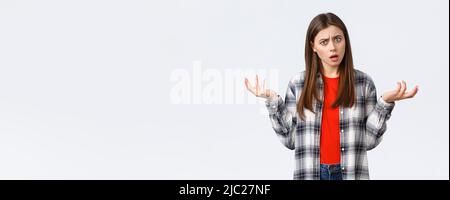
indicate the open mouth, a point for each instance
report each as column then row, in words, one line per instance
column 334, row 58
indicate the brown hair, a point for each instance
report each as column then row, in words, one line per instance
column 346, row 90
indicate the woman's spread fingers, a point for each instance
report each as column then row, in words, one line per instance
column 257, row 90
column 404, row 88
column 399, row 92
column 412, row 93
column 249, row 86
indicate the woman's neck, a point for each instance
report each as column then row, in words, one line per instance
column 330, row 72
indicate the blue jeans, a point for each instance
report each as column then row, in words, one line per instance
column 330, row 172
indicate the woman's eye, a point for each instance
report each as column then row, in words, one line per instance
column 323, row 43
column 338, row 39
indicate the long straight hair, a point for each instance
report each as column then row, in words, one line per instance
column 346, row 90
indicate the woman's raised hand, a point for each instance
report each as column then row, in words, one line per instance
column 400, row 93
column 260, row 91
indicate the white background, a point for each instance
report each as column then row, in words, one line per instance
column 85, row 86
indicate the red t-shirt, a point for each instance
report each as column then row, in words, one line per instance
column 330, row 137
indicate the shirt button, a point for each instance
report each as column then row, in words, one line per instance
column 342, row 149
column 342, row 130
column 343, row 168
column 342, row 112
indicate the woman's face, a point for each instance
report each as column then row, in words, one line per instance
column 329, row 44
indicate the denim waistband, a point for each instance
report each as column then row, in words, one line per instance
column 331, row 172
column 330, row 166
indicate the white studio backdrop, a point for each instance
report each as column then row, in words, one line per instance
column 154, row 89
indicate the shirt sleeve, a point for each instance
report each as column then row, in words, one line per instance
column 378, row 113
column 282, row 114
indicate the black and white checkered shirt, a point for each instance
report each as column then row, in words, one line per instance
column 361, row 127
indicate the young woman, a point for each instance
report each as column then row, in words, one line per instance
column 331, row 115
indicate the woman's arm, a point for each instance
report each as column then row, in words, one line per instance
column 378, row 110
column 282, row 114
column 377, row 113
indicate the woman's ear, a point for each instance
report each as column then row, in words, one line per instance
column 312, row 46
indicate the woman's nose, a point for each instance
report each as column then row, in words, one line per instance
column 332, row 47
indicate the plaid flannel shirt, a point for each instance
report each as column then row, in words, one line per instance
column 361, row 127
